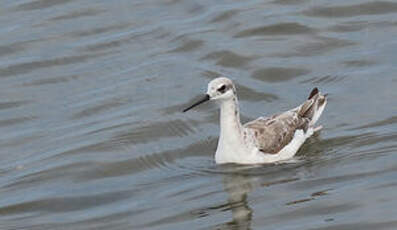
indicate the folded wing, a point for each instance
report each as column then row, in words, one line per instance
column 273, row 133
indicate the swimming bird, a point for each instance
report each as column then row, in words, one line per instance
column 266, row 139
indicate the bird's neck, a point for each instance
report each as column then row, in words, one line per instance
column 230, row 117
column 230, row 142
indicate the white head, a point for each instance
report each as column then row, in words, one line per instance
column 219, row 89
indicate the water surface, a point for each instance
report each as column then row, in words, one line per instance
column 92, row 134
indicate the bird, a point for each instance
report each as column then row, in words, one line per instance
column 268, row 139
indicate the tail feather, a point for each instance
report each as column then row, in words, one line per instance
column 313, row 106
column 320, row 105
column 313, row 93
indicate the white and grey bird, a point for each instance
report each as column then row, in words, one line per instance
column 266, row 139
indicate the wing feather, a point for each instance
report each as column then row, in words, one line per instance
column 274, row 133
column 271, row 134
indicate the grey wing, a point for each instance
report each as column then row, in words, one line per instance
column 274, row 133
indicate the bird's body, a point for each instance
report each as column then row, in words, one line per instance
column 266, row 139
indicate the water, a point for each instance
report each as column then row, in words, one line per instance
column 92, row 134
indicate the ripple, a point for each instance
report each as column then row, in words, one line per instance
column 21, row 140
column 360, row 225
column 311, row 198
column 299, row 201
column 375, row 139
column 162, row 160
column 65, row 203
column 10, row 49
column 246, row 93
column 277, row 29
column 359, row 25
column 324, row 80
column 277, row 182
column 98, row 46
column 177, row 218
column 49, row 175
column 278, row 74
column 289, row 2
column 383, row 186
column 144, row 133
column 319, row 46
column 359, row 63
column 321, row 182
column 23, row 68
column 99, row 30
column 127, row 167
column 112, row 221
column 195, row 8
column 188, row 46
column 225, row 16
column 40, row 4
column 332, row 145
column 12, row 104
column 95, row 110
column 312, row 210
column 211, row 74
column 387, row 121
column 228, row 58
column 369, row 8
column 15, row 47
column 13, row 121
column 78, row 14
column 50, row 81
column 348, row 27
column 157, row 130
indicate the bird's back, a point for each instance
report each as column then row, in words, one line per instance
column 271, row 134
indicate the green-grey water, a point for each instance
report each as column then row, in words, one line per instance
column 92, row 134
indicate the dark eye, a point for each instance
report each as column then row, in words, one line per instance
column 222, row 89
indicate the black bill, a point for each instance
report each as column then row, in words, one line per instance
column 202, row 100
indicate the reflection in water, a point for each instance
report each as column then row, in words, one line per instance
column 238, row 187
column 239, row 184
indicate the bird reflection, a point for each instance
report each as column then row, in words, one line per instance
column 238, row 187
